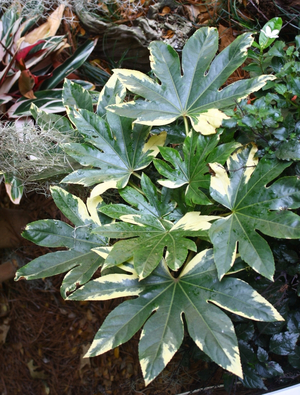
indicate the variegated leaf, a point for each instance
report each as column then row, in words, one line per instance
column 161, row 303
column 254, row 206
column 195, row 93
column 79, row 259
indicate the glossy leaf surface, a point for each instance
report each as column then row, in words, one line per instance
column 79, row 259
column 197, row 90
column 192, row 169
column 149, row 233
column 113, row 147
column 71, row 64
column 253, row 207
column 196, row 293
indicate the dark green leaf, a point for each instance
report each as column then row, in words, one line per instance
column 71, row 64
column 293, row 322
column 289, row 150
column 294, row 358
column 253, row 207
column 283, row 343
column 192, row 170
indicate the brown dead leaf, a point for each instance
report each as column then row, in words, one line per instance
column 165, row 11
column 226, row 36
column 84, row 361
column 47, row 29
column 203, row 18
column 194, row 10
column 169, row 34
column 35, row 371
column 26, row 84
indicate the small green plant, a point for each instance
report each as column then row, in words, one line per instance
column 182, row 230
column 271, row 119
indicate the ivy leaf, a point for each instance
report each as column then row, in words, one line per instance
column 149, row 232
column 289, row 150
column 192, row 170
column 195, row 94
column 162, row 301
column 79, row 260
column 253, row 207
column 293, row 322
column 113, row 146
column 283, row 343
column 294, row 358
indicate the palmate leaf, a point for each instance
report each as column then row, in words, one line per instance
column 197, row 90
column 113, row 147
column 196, row 293
column 79, row 260
column 149, row 231
column 253, row 207
column 192, row 170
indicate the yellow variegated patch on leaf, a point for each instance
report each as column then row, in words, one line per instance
column 190, row 89
column 160, row 303
column 207, row 122
column 78, row 259
column 146, row 232
column 253, row 207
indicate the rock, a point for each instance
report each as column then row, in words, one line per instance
column 127, row 46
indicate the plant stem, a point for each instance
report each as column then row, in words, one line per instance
column 136, row 187
column 186, row 125
column 137, row 175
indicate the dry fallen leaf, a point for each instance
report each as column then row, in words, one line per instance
column 26, row 84
column 194, row 10
column 47, row 29
column 226, row 36
column 165, row 11
column 35, row 371
column 84, row 361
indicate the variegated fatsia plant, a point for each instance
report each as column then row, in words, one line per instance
column 187, row 207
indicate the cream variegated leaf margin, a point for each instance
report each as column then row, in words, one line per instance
column 191, row 167
column 78, row 259
column 114, row 148
column 209, row 121
column 190, row 89
column 147, row 238
column 253, row 206
column 160, row 303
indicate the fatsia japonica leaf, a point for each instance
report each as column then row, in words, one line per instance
column 78, row 260
column 192, row 169
column 146, row 232
column 195, row 93
column 75, row 96
column 113, row 148
column 254, row 207
column 161, row 303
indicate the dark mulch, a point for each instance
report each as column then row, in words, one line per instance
column 47, row 337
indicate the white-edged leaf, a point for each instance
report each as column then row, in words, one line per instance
column 253, row 207
column 194, row 94
column 79, row 260
column 160, row 305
